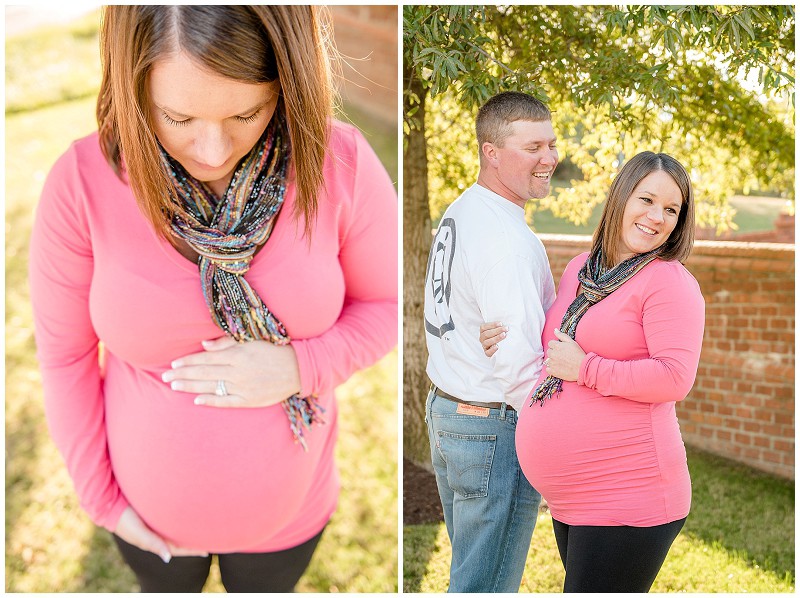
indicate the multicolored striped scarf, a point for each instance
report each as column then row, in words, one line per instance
column 226, row 232
column 596, row 283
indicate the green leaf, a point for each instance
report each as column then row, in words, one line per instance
column 735, row 30
column 743, row 19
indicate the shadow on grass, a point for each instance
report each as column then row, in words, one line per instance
column 22, row 454
column 419, row 544
column 746, row 512
column 102, row 568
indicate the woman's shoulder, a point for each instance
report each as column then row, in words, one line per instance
column 345, row 137
column 671, row 276
column 577, row 262
column 82, row 155
column 349, row 154
column 87, row 148
column 673, row 270
column 82, row 174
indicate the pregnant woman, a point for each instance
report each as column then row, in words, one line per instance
column 599, row 438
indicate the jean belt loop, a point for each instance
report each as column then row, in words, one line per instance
column 503, row 406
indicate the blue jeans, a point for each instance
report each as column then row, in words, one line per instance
column 490, row 509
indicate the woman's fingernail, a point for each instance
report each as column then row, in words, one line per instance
column 166, row 557
column 176, row 385
column 167, row 376
column 199, row 401
column 503, row 335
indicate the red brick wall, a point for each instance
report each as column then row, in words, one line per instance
column 366, row 37
column 742, row 404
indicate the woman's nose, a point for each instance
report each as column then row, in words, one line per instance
column 656, row 214
column 212, row 147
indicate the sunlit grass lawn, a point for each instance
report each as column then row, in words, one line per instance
column 51, row 546
column 739, row 537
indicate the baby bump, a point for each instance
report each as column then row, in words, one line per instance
column 217, row 479
column 584, row 440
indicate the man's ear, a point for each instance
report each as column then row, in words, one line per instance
column 489, row 152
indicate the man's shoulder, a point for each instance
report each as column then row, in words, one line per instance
column 468, row 200
column 475, row 211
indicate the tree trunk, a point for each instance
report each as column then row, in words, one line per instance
column 416, row 245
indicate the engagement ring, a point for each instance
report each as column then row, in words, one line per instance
column 221, row 390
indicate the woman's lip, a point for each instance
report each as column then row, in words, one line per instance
column 207, row 166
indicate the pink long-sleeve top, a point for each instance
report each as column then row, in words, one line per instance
column 608, row 450
column 222, row 480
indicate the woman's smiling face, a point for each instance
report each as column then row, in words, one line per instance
column 205, row 121
column 651, row 214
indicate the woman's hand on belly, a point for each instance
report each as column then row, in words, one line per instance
column 255, row 374
column 134, row 531
column 564, row 357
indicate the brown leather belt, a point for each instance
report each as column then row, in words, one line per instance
column 439, row 392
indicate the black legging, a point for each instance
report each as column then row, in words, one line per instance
column 240, row 571
column 613, row 558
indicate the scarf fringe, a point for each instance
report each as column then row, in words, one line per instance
column 303, row 412
column 550, row 386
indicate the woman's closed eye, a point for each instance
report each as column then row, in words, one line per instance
column 249, row 119
column 182, row 123
column 175, row 123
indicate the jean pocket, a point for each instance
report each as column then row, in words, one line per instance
column 469, row 461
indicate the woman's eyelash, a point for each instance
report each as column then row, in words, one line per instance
column 249, row 119
column 182, row 123
column 173, row 122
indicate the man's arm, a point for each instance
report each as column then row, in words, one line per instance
column 513, row 292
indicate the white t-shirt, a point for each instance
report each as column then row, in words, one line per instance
column 486, row 265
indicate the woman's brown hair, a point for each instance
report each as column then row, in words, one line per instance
column 609, row 232
column 254, row 44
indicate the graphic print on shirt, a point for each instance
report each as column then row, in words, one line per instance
column 438, row 320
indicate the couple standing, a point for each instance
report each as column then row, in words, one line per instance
column 569, row 395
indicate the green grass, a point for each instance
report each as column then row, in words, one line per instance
column 51, row 546
column 53, row 64
column 739, row 537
